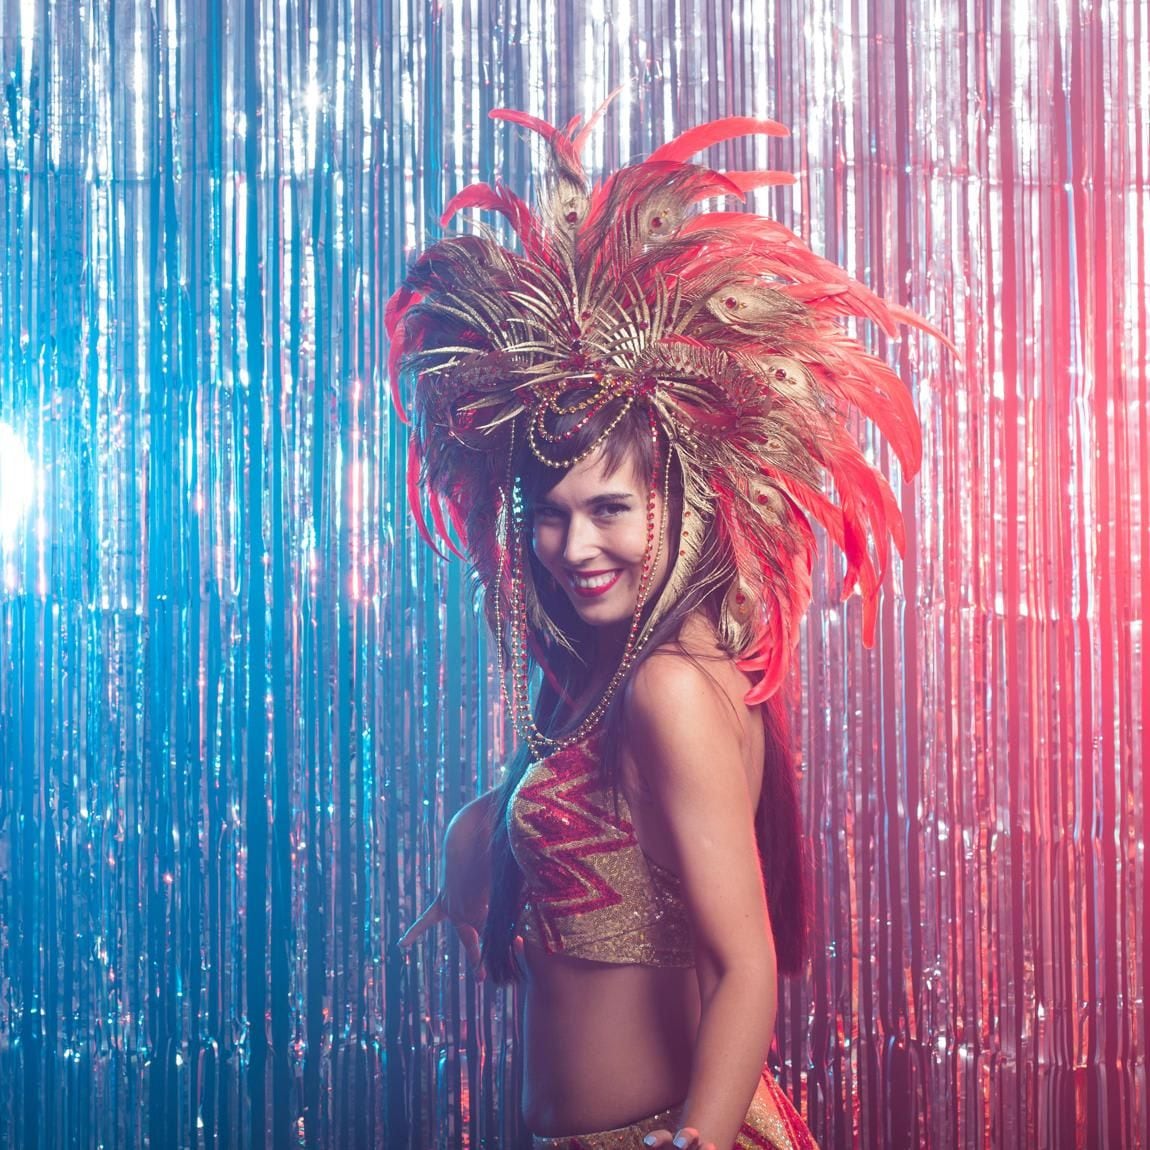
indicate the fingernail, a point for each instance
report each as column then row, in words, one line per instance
column 649, row 1140
column 680, row 1142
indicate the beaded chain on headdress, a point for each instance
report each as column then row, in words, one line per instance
column 723, row 325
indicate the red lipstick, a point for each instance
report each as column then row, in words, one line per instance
column 592, row 592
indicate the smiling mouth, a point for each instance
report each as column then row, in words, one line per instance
column 593, row 584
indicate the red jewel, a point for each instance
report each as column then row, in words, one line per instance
column 763, row 497
column 731, row 302
column 572, row 217
column 656, row 222
column 740, row 598
column 780, row 373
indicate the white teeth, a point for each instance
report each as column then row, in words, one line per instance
column 588, row 582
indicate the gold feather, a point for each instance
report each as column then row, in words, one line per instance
column 698, row 507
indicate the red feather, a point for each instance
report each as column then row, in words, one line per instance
column 397, row 307
column 858, row 486
column 695, row 140
column 894, row 519
column 740, row 224
column 878, row 393
column 828, row 514
column 394, row 355
column 748, row 181
column 854, row 548
column 629, row 188
column 414, row 496
column 905, row 315
column 498, row 199
column 436, row 505
column 770, row 656
column 813, row 293
column 457, row 521
column 712, row 421
column 564, row 150
column 577, row 141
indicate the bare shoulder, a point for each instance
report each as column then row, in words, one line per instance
column 689, row 679
column 672, row 684
column 685, row 713
column 680, row 716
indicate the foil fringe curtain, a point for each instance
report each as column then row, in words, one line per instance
column 238, row 700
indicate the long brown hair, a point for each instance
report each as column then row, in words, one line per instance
column 777, row 818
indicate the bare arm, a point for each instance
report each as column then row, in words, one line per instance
column 684, row 735
column 465, row 879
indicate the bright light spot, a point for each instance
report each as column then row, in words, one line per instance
column 28, row 21
column 313, row 98
column 17, row 481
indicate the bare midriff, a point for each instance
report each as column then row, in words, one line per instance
column 606, row 1043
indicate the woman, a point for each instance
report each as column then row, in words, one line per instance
column 628, row 422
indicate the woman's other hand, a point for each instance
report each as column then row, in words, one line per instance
column 687, row 1139
column 464, row 881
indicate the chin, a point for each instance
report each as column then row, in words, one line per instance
column 601, row 614
column 595, row 619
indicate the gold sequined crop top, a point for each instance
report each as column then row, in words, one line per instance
column 591, row 891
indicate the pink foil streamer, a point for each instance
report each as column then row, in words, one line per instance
column 238, row 699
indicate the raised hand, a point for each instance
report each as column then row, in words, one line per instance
column 464, row 883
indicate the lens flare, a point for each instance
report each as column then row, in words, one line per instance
column 17, row 481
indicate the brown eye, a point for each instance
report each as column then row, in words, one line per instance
column 611, row 509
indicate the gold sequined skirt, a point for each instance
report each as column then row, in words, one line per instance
column 777, row 1126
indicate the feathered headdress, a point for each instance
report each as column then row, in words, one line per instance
column 722, row 324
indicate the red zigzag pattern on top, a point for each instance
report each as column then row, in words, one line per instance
column 564, row 815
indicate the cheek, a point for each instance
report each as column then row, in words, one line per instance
column 631, row 545
column 543, row 543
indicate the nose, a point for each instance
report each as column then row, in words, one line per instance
column 581, row 542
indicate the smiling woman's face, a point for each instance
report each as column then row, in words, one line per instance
column 590, row 533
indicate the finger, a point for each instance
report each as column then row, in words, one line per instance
column 434, row 915
column 687, row 1139
column 469, row 936
column 659, row 1138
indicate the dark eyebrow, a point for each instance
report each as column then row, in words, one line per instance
column 594, row 501
column 610, row 497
